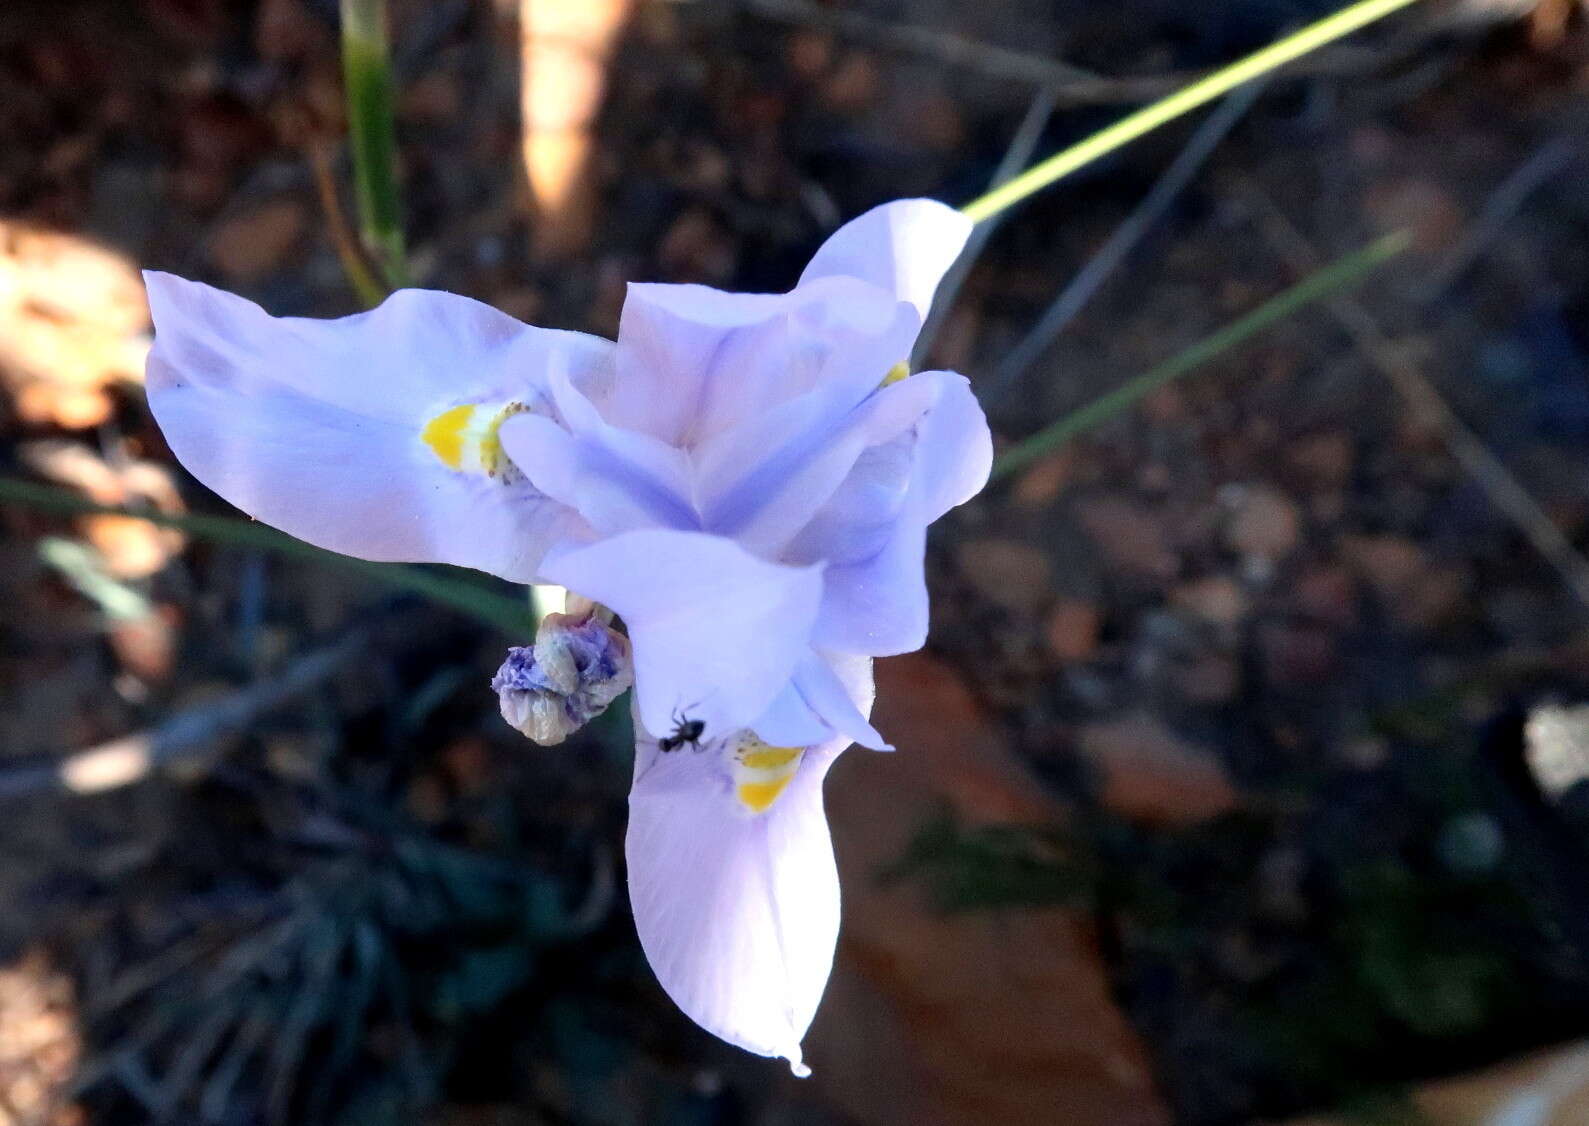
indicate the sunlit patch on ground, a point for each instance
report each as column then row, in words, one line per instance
column 73, row 324
column 39, row 1044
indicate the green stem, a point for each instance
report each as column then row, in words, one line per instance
column 1338, row 275
column 367, row 77
column 1216, row 85
column 508, row 615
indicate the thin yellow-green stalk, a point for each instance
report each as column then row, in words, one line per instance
column 372, row 131
column 1331, row 279
column 1221, row 82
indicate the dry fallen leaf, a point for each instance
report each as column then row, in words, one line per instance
column 970, row 1018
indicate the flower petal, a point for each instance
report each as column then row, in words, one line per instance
column 905, row 246
column 763, row 481
column 826, row 693
column 320, row 427
column 857, row 521
column 692, row 360
column 618, row 480
column 738, row 912
column 954, row 450
column 878, row 605
column 717, row 632
column 815, row 707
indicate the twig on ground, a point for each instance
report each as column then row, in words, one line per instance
column 1019, row 154
column 1550, row 159
column 1072, row 85
column 1077, row 86
column 132, row 758
column 1125, row 238
column 1504, row 490
column 1347, row 270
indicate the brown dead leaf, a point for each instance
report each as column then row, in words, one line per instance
column 943, row 1020
column 251, row 245
column 1151, row 774
column 1547, row 1089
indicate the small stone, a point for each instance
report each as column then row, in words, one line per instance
column 810, row 52
column 131, row 548
column 1207, row 680
column 1367, row 752
column 1264, row 523
column 934, row 121
column 853, row 85
column 1418, row 592
column 1043, row 481
column 1471, row 844
column 434, row 99
column 1298, row 655
column 1324, row 461
column 1556, row 747
column 1151, row 774
column 1433, row 215
column 1129, row 536
column 1010, row 573
column 1326, row 592
column 697, row 249
column 1217, row 599
column 1072, row 629
column 251, row 246
column 1391, row 564
column 145, row 646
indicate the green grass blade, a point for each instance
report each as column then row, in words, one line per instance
column 370, row 91
column 1183, row 101
column 1322, row 283
column 509, row 615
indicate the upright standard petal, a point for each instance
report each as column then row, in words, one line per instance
column 693, row 360
column 905, row 247
column 763, row 480
column 618, row 480
column 717, row 632
column 375, row 435
column 733, row 883
column 878, row 604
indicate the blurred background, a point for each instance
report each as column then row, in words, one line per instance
column 1241, row 782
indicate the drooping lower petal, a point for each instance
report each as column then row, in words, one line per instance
column 374, row 435
column 733, row 883
column 717, row 632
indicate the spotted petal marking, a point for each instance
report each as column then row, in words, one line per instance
column 762, row 772
column 466, row 437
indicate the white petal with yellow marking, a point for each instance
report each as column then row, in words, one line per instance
column 761, row 772
column 467, row 437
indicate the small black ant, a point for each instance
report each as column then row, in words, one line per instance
column 685, row 731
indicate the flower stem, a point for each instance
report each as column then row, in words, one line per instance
column 500, row 612
column 1338, row 275
column 367, row 78
column 1221, row 82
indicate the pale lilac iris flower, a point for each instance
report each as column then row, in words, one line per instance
column 746, row 479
